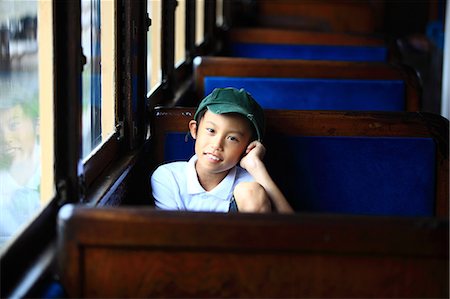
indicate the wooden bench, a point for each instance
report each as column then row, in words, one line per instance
column 312, row 85
column 365, row 17
column 381, row 163
column 138, row 252
column 273, row 43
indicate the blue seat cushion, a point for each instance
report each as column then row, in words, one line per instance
column 318, row 94
column 178, row 147
column 346, row 175
column 310, row 52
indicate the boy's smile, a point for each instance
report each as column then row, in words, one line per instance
column 213, row 157
column 221, row 140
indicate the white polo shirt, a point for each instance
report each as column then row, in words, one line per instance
column 175, row 186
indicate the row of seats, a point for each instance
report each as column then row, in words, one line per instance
column 359, row 173
column 341, row 169
column 352, row 72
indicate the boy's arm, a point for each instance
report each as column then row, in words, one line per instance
column 253, row 163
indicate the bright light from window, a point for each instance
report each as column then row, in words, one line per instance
column 26, row 113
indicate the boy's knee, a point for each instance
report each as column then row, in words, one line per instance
column 251, row 197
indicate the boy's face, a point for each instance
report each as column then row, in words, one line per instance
column 18, row 133
column 221, row 140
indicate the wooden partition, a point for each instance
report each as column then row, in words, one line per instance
column 131, row 252
column 357, row 72
column 301, row 44
column 363, row 16
column 304, row 37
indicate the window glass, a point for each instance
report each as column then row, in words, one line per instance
column 108, row 63
column 91, row 76
column 200, row 22
column 154, row 44
column 26, row 115
column 219, row 13
column 98, row 85
column 180, row 32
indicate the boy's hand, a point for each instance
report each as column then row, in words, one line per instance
column 254, row 155
column 252, row 162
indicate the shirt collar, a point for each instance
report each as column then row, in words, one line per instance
column 222, row 191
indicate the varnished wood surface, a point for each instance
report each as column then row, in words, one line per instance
column 141, row 252
column 250, row 67
column 364, row 17
column 291, row 36
column 331, row 123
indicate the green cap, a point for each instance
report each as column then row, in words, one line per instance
column 232, row 100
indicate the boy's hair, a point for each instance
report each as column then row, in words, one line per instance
column 232, row 100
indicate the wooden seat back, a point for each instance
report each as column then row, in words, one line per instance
column 365, row 17
column 138, row 252
column 312, row 85
column 272, row 43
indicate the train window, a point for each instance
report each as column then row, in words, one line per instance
column 219, row 13
column 154, row 45
column 180, row 32
column 26, row 113
column 200, row 22
column 90, row 42
column 96, row 123
column 108, row 63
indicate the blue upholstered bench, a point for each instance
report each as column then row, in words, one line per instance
column 350, row 175
column 310, row 52
column 318, row 94
column 365, row 163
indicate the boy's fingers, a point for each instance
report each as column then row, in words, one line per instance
column 250, row 147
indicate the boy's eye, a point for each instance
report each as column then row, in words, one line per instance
column 210, row 130
column 13, row 124
column 232, row 138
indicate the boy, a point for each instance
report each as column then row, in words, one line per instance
column 20, row 169
column 228, row 128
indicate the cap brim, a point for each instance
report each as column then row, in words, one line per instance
column 221, row 108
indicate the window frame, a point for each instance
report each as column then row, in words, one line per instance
column 28, row 262
column 180, row 77
column 29, row 258
column 24, row 261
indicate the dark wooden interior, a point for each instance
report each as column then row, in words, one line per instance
column 142, row 252
column 108, row 246
column 305, row 37
column 323, row 15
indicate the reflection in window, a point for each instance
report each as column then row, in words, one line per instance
column 20, row 151
column 91, row 76
column 98, row 76
column 154, row 45
column 20, row 140
column 219, row 13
